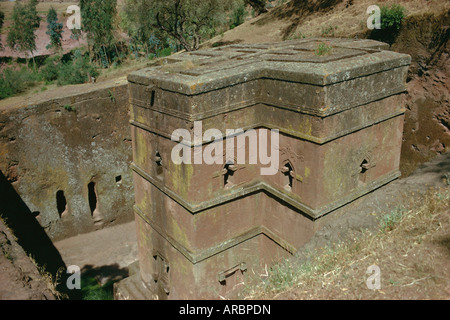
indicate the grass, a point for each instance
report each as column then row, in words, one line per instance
column 111, row 96
column 328, row 31
column 323, row 49
column 296, row 36
column 410, row 247
column 91, row 289
column 23, row 82
column 51, row 281
column 390, row 220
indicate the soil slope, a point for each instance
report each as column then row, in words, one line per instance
column 19, row 276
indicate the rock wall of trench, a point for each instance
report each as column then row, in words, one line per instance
column 68, row 159
column 427, row 119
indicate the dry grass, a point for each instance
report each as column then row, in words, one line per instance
column 411, row 248
column 348, row 21
column 298, row 20
column 51, row 281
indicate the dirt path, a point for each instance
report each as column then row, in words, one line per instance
column 107, row 252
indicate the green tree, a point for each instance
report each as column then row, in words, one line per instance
column 186, row 21
column 238, row 14
column 54, row 29
column 98, row 20
column 189, row 21
column 21, row 35
column 136, row 21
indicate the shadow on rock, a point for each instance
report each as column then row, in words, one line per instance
column 29, row 233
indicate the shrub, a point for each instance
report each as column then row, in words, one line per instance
column 391, row 18
column 76, row 70
column 163, row 52
column 49, row 71
column 323, row 49
column 69, row 108
column 391, row 21
column 14, row 81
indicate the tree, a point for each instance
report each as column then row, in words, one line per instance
column 2, row 19
column 238, row 14
column 136, row 20
column 54, row 29
column 186, row 21
column 25, row 21
column 98, row 20
column 189, row 21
